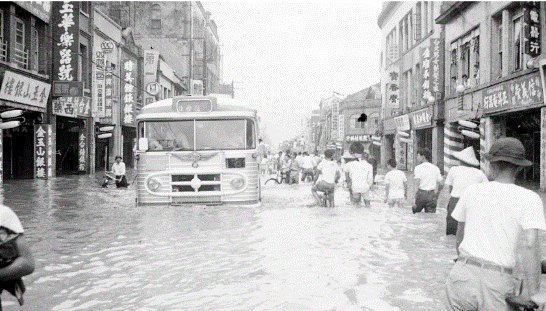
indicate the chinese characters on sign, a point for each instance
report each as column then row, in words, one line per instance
column 520, row 92
column 341, row 126
column 392, row 87
column 431, row 74
column 151, row 61
column 425, row 73
column 108, row 90
column 402, row 123
column 531, row 27
column 99, row 109
column 128, row 92
column 82, row 151
column 422, row 117
column 21, row 89
column 84, row 106
column 42, row 151
column 67, row 88
column 65, row 106
column 335, row 119
column 351, row 138
column 66, row 35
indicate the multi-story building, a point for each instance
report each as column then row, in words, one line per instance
column 182, row 32
column 492, row 80
column 353, row 132
column 25, row 69
column 310, row 125
column 329, row 123
column 412, row 54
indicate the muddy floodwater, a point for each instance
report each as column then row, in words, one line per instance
column 95, row 250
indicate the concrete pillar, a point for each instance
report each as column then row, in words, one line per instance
column 384, row 156
column 543, row 148
column 438, row 146
column 489, row 131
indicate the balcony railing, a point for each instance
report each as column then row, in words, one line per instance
column 21, row 57
column 3, row 50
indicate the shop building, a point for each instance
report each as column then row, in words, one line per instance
column 25, row 74
column 350, row 130
column 411, row 81
column 329, row 124
column 493, row 87
column 71, row 121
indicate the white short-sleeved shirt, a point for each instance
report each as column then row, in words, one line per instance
column 395, row 179
column 118, row 169
column 494, row 215
column 361, row 174
column 460, row 177
column 328, row 171
column 9, row 220
column 428, row 174
column 307, row 162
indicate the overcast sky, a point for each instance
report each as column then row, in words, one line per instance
column 285, row 57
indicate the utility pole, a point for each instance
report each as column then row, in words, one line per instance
column 204, row 65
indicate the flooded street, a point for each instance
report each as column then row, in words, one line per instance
column 96, row 251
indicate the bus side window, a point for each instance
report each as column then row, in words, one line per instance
column 250, row 134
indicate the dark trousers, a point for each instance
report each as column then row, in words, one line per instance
column 451, row 223
column 121, row 182
column 425, row 200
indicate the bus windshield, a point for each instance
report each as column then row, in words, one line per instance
column 226, row 134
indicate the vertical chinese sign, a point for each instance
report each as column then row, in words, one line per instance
column 108, row 92
column 66, row 40
column 43, row 151
column 436, row 68
column 392, row 87
column 531, row 24
column 335, row 120
column 151, row 60
column 98, row 98
column 128, row 73
column 426, row 74
column 82, row 151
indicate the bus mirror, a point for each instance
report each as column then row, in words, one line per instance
column 143, row 144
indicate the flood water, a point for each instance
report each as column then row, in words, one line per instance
column 95, row 250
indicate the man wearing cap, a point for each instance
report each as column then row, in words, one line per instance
column 493, row 217
column 458, row 179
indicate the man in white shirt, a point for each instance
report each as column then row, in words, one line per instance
column 458, row 179
column 427, row 178
column 118, row 169
column 497, row 219
column 396, row 186
column 328, row 177
column 359, row 176
column 307, row 167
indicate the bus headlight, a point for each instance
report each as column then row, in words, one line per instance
column 237, row 183
column 154, row 184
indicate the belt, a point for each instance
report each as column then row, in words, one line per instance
column 484, row 265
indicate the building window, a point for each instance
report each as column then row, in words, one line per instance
column 83, row 66
column 21, row 54
column 405, row 25
column 517, row 36
column 425, row 18
column 392, row 47
column 465, row 60
column 156, row 16
column 84, row 7
column 3, row 43
column 417, row 22
column 35, row 43
column 407, row 91
column 354, row 123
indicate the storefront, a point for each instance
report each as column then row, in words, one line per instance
column 512, row 109
column 30, row 95
column 129, row 97
column 387, row 143
column 403, row 144
column 422, row 125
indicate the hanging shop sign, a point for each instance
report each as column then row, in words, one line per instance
column 98, row 83
column 84, row 106
column 82, row 151
column 335, row 120
column 524, row 91
column 389, row 125
column 402, row 122
column 151, row 63
column 43, row 151
column 531, row 28
column 108, row 91
column 67, row 88
column 422, row 117
column 21, row 89
column 128, row 91
column 431, row 75
column 341, row 126
column 392, row 86
column 65, row 106
column 40, row 9
column 351, row 138
column 107, row 46
column 65, row 22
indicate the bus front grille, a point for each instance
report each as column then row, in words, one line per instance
column 196, row 182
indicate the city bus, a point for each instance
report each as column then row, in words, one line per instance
column 197, row 150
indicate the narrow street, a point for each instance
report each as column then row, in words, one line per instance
column 96, row 251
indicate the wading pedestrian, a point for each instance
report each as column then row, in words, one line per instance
column 328, row 176
column 396, row 185
column 492, row 217
column 458, row 179
column 427, row 178
column 359, row 176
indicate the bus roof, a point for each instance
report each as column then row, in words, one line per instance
column 225, row 107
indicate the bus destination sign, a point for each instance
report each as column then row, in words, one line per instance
column 194, row 105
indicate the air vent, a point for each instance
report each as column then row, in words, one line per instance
column 235, row 162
